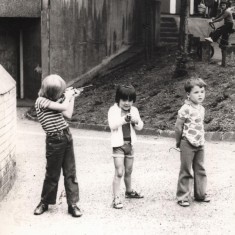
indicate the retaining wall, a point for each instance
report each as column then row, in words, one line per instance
column 78, row 35
column 7, row 132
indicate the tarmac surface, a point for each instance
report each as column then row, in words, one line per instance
column 155, row 174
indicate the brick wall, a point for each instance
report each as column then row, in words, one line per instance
column 7, row 132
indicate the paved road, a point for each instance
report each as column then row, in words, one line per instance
column 155, row 173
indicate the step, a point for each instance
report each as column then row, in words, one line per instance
column 169, row 34
column 169, row 39
column 168, row 24
column 168, row 29
column 167, row 19
column 167, row 43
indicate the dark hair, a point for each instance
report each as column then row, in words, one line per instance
column 125, row 92
column 228, row 4
column 192, row 82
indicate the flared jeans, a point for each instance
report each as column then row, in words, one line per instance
column 192, row 171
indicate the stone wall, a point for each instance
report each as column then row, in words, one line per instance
column 7, row 132
column 77, row 35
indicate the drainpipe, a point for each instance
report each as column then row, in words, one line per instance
column 45, row 37
column 21, row 66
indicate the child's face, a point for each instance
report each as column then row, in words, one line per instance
column 125, row 104
column 197, row 94
column 223, row 6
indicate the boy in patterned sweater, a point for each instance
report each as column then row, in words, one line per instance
column 189, row 133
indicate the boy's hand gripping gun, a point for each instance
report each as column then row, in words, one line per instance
column 75, row 90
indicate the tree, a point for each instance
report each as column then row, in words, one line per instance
column 183, row 36
column 182, row 55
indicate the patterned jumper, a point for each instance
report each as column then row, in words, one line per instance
column 193, row 129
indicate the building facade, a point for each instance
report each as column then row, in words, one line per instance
column 67, row 37
column 173, row 6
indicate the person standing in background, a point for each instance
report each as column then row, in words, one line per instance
column 209, row 8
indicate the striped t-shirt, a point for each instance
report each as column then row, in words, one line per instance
column 51, row 120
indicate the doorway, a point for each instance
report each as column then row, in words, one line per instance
column 20, row 53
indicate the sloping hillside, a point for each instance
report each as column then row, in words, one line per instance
column 159, row 94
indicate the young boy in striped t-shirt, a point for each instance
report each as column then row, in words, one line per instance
column 59, row 143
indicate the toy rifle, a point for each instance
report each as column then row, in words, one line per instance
column 60, row 100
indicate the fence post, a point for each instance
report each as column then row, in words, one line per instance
column 205, row 51
column 224, row 55
column 228, row 55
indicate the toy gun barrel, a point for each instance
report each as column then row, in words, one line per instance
column 83, row 87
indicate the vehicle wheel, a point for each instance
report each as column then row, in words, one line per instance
column 212, row 51
column 199, row 51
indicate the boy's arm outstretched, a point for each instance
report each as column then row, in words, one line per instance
column 218, row 18
column 221, row 16
column 178, row 131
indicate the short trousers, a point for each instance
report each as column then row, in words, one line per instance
column 125, row 150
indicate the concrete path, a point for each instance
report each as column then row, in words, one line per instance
column 155, row 174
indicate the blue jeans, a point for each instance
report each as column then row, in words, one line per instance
column 191, row 171
column 60, row 154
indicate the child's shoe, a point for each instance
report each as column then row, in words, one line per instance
column 205, row 199
column 183, row 203
column 209, row 39
column 41, row 208
column 134, row 194
column 74, row 210
column 117, row 204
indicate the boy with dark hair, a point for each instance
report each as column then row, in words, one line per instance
column 225, row 29
column 123, row 120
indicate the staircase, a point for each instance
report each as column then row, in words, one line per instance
column 168, row 30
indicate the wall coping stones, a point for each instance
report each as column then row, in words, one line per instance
column 7, row 82
column 20, row 8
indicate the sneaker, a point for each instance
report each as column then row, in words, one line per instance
column 74, row 210
column 205, row 199
column 183, row 203
column 41, row 208
column 209, row 39
column 117, row 204
column 133, row 194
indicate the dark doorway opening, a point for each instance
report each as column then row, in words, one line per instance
column 20, row 53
